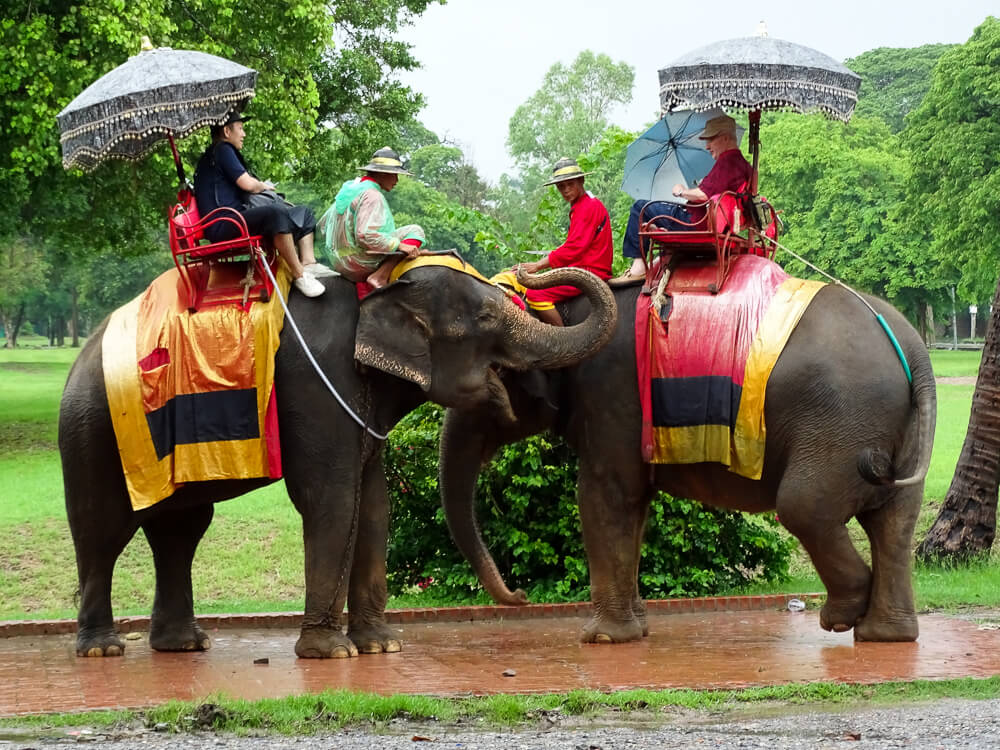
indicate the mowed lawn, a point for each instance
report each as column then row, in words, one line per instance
column 251, row 559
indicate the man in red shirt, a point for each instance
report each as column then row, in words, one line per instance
column 588, row 244
column 730, row 172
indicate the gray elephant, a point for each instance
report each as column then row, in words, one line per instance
column 436, row 334
column 847, row 437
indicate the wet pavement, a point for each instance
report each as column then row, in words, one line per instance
column 702, row 650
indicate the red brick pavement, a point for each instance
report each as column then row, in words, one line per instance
column 709, row 644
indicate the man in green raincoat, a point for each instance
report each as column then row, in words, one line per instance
column 359, row 227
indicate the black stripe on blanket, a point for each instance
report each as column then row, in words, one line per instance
column 689, row 402
column 204, row 418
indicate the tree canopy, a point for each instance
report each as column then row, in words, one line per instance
column 953, row 139
column 318, row 62
column 570, row 110
column 894, row 81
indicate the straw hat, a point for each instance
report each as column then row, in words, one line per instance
column 566, row 169
column 385, row 160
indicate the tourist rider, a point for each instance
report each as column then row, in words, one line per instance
column 222, row 179
column 359, row 227
column 729, row 173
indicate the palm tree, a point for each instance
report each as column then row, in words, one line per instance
column 967, row 521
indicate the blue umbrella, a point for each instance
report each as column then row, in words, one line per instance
column 669, row 153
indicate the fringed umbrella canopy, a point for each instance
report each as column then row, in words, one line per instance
column 160, row 94
column 760, row 73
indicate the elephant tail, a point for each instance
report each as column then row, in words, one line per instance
column 876, row 465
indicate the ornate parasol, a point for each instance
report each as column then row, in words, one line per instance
column 759, row 73
column 160, row 94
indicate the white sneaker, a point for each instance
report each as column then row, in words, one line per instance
column 319, row 271
column 309, row 286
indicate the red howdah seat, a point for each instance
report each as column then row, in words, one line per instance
column 734, row 223
column 218, row 273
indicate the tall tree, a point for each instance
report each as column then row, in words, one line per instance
column 52, row 49
column 894, row 81
column 362, row 104
column 567, row 115
column 446, row 169
column 954, row 140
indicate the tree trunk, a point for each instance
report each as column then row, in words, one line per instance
column 966, row 523
column 74, row 320
column 928, row 321
column 12, row 325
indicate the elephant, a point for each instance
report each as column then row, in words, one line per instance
column 847, row 436
column 435, row 334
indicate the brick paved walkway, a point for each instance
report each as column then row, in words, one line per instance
column 703, row 649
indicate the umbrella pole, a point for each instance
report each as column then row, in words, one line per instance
column 180, row 167
column 754, row 118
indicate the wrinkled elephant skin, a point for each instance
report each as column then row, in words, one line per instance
column 437, row 334
column 847, row 437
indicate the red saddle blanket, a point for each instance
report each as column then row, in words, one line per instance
column 192, row 394
column 704, row 360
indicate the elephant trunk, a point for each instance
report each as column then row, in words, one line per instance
column 539, row 346
column 462, row 452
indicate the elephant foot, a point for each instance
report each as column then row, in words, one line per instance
column 375, row 639
column 898, row 626
column 840, row 615
column 639, row 612
column 186, row 637
column 605, row 630
column 106, row 643
column 324, row 643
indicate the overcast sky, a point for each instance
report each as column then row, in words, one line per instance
column 483, row 58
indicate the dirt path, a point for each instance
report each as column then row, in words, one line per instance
column 964, row 380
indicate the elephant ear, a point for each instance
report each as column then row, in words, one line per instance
column 394, row 337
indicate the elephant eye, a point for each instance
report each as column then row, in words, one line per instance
column 488, row 313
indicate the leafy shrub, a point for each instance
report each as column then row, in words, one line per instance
column 526, row 506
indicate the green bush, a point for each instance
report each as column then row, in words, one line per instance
column 526, row 505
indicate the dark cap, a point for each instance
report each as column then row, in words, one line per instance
column 233, row 117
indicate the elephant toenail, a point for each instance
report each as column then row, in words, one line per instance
column 603, row 638
column 340, row 652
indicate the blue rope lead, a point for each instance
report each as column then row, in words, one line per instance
column 895, row 345
column 878, row 316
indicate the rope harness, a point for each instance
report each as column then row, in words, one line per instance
column 878, row 316
column 319, row 371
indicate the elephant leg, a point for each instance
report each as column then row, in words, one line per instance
column 891, row 614
column 613, row 506
column 367, row 593
column 330, row 508
column 97, row 550
column 102, row 523
column 805, row 512
column 173, row 537
column 638, row 605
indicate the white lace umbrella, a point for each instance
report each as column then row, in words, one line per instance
column 759, row 73
column 160, row 94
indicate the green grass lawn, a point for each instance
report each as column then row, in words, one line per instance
column 952, row 364
column 251, row 559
